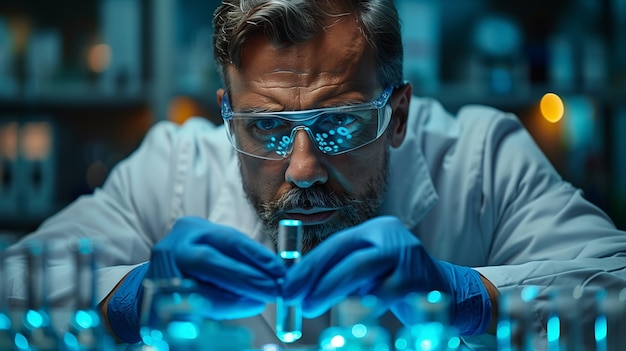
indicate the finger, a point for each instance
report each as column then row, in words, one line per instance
column 359, row 273
column 226, row 305
column 231, row 242
column 306, row 274
column 207, row 264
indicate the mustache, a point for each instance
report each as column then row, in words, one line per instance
column 316, row 196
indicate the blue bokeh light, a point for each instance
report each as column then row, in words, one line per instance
column 434, row 296
column 601, row 329
column 359, row 330
column 183, row 330
column 554, row 329
column 5, row 322
column 34, row 319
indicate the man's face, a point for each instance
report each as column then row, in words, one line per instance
column 327, row 193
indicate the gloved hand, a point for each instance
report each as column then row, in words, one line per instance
column 381, row 257
column 235, row 273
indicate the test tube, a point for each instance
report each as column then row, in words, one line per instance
column 289, row 318
column 355, row 326
column 427, row 323
column 6, row 325
column 37, row 331
column 86, row 331
column 517, row 328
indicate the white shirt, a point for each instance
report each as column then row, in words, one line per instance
column 475, row 189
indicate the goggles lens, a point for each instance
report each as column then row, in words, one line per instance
column 333, row 130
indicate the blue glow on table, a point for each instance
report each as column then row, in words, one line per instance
column 34, row 319
column 434, row 296
column 554, row 329
column 337, row 341
column 401, row 343
column 21, row 342
column 183, row 330
column 70, row 341
column 601, row 330
column 85, row 320
column 5, row 322
column 359, row 330
column 289, row 337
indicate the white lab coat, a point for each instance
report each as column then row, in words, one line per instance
column 474, row 188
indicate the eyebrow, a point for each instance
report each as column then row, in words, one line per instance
column 255, row 110
column 345, row 103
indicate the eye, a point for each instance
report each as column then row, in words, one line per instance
column 266, row 128
column 267, row 124
column 333, row 120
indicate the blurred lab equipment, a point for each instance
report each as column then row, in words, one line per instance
column 121, row 32
column 8, row 79
column 27, row 167
column 431, row 330
column 9, row 131
column 36, row 331
column 421, row 29
column 497, row 66
column 356, row 327
column 174, row 317
column 171, row 320
column 7, row 332
column 43, row 61
column 86, row 330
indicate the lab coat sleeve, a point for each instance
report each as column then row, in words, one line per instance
column 539, row 228
column 123, row 219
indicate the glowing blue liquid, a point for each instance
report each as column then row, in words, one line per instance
column 5, row 322
column 360, row 337
column 290, row 255
column 288, row 322
column 288, row 318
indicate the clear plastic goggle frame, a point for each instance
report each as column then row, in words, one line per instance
column 334, row 130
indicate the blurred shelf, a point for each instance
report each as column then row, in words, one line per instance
column 72, row 101
column 175, row 76
column 23, row 223
column 454, row 96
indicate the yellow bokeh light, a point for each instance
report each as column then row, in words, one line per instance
column 99, row 57
column 552, row 107
column 36, row 140
column 182, row 108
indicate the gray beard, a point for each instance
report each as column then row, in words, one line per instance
column 352, row 211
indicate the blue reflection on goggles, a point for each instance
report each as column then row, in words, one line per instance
column 335, row 130
column 327, row 142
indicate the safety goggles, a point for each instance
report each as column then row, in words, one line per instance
column 334, row 130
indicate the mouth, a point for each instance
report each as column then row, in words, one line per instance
column 312, row 216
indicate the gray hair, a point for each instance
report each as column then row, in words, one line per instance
column 287, row 22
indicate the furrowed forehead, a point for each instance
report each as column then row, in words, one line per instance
column 333, row 69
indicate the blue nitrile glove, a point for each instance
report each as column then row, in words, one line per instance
column 235, row 273
column 381, row 257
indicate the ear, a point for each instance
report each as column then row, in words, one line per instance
column 400, row 100
column 219, row 94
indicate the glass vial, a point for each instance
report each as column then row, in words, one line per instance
column 6, row 324
column 355, row 327
column 86, row 331
column 429, row 327
column 289, row 318
column 37, row 332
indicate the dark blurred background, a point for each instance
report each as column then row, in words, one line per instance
column 82, row 81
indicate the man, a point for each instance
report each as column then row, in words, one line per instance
column 396, row 195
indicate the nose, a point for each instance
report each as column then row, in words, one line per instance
column 305, row 167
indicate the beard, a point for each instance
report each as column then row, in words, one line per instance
column 352, row 210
